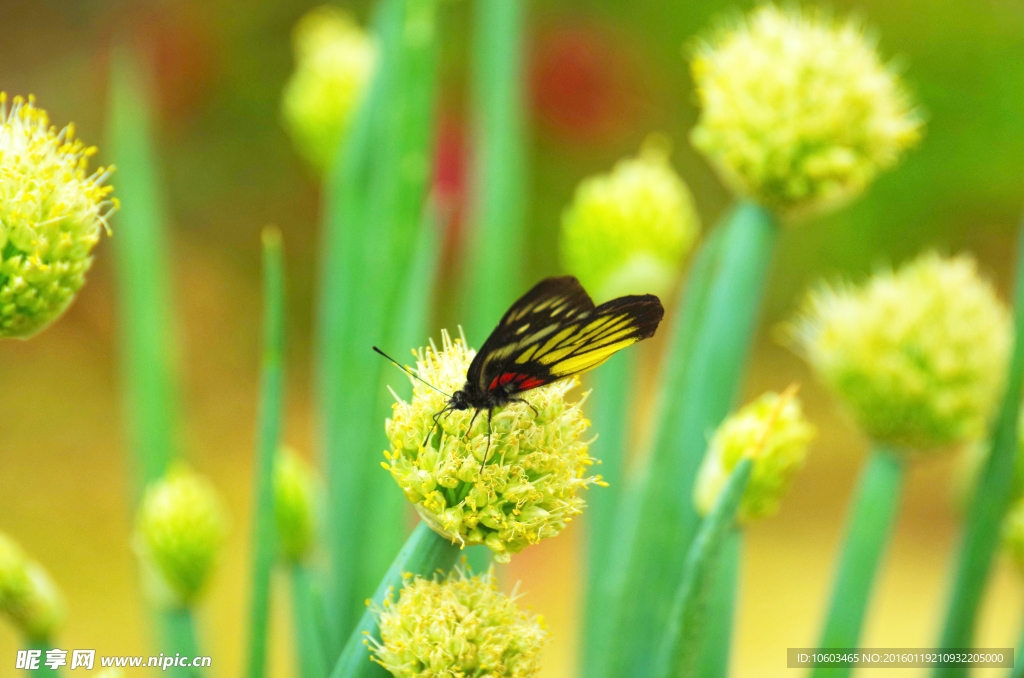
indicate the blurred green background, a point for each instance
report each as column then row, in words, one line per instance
column 602, row 75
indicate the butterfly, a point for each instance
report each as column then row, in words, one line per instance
column 551, row 333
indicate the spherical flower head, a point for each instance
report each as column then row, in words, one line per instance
column 536, row 463
column 798, row 112
column 457, row 626
column 181, row 526
column 1013, row 533
column 773, row 432
column 917, row 355
column 52, row 212
column 334, row 61
column 627, row 232
column 296, row 489
column 28, row 595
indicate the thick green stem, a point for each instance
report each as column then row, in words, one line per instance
column 140, row 250
column 41, row 670
column 609, row 411
column 424, row 553
column 714, row 657
column 310, row 636
column 875, row 506
column 499, row 175
column 698, row 396
column 268, row 435
column 374, row 208
column 605, row 599
column 1018, row 660
column 679, row 650
column 179, row 637
column 991, row 500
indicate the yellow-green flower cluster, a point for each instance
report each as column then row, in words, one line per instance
column 1013, row 532
column 798, row 112
column 773, row 432
column 181, row 526
column 27, row 594
column 918, row 355
column 295, row 504
column 334, row 61
column 52, row 212
column 536, row 462
column 627, row 232
column 459, row 626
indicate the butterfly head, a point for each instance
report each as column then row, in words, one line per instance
column 460, row 400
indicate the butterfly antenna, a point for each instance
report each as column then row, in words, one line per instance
column 410, row 372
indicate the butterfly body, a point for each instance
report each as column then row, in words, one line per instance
column 552, row 332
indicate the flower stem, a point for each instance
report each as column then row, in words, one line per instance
column 1018, row 660
column 610, row 408
column 310, row 637
column 714, row 657
column 180, row 638
column 991, row 499
column 703, row 381
column 143, row 300
column 680, row 645
column 424, row 553
column 498, row 184
column 875, row 506
column 374, row 208
column 42, row 671
column 268, row 439
column 606, row 589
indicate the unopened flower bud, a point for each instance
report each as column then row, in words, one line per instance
column 627, row 232
column 181, row 527
column 773, row 432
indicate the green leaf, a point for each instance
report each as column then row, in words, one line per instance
column 498, row 184
column 715, row 653
column 179, row 637
column 699, row 394
column 268, row 438
column 424, row 553
column 991, row 499
column 680, row 645
column 875, row 506
column 605, row 591
column 374, row 211
column 140, row 248
column 310, row 636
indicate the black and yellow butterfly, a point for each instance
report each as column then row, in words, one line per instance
column 552, row 332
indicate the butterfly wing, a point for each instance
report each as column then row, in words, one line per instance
column 554, row 331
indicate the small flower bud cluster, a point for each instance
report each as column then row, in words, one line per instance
column 52, row 212
column 334, row 61
column 295, row 504
column 27, row 594
column 918, row 355
column 627, row 232
column 773, row 432
column 181, row 527
column 458, row 626
column 799, row 113
column 536, row 461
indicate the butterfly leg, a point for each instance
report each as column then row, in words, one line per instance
column 434, row 427
column 532, row 406
column 483, row 462
column 470, row 427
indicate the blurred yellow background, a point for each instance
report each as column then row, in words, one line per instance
column 601, row 78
